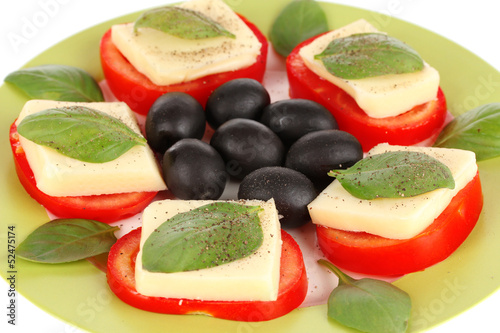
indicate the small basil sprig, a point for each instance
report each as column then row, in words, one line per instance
column 298, row 21
column 477, row 130
column 365, row 55
column 65, row 240
column 394, row 175
column 368, row 305
column 208, row 236
column 182, row 23
column 57, row 82
column 81, row 133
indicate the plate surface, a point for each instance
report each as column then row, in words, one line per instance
column 78, row 293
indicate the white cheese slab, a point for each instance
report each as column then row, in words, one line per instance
column 58, row 175
column 166, row 59
column 380, row 96
column 254, row 278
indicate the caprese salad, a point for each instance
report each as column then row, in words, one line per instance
column 144, row 59
column 377, row 87
column 399, row 235
column 70, row 187
column 377, row 235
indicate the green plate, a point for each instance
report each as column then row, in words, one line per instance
column 78, row 294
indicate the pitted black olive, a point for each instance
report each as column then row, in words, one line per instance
column 194, row 170
column 316, row 153
column 238, row 98
column 291, row 190
column 247, row 145
column 172, row 117
column 294, row 118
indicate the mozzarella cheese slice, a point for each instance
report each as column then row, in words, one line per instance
column 166, row 59
column 58, row 175
column 397, row 218
column 381, row 96
column 254, row 278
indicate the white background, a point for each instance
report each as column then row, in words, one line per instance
column 472, row 24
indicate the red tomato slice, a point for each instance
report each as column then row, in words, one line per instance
column 370, row 254
column 418, row 124
column 292, row 287
column 135, row 89
column 105, row 208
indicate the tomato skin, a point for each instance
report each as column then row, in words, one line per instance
column 292, row 290
column 135, row 89
column 370, row 254
column 416, row 125
column 104, row 208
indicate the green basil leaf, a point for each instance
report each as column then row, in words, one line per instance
column 298, row 21
column 65, row 240
column 182, row 23
column 367, row 55
column 81, row 133
column 477, row 130
column 208, row 236
column 368, row 305
column 58, row 83
column 394, row 175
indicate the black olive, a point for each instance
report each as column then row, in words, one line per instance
column 316, row 153
column 238, row 98
column 292, row 192
column 174, row 116
column 247, row 145
column 194, row 170
column 293, row 118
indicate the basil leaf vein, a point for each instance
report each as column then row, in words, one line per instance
column 181, row 22
column 81, row 133
column 57, row 82
column 65, row 240
column 364, row 55
column 394, row 175
column 207, row 236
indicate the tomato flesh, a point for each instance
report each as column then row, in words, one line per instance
column 105, row 208
column 414, row 126
column 370, row 254
column 292, row 286
column 135, row 89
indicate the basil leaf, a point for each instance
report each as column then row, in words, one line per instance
column 394, row 175
column 58, row 83
column 368, row 305
column 81, row 133
column 208, row 236
column 65, row 240
column 369, row 54
column 298, row 21
column 182, row 23
column 477, row 130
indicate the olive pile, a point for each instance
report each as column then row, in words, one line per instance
column 281, row 150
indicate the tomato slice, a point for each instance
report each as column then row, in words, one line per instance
column 135, row 89
column 292, row 286
column 414, row 126
column 370, row 254
column 105, row 208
